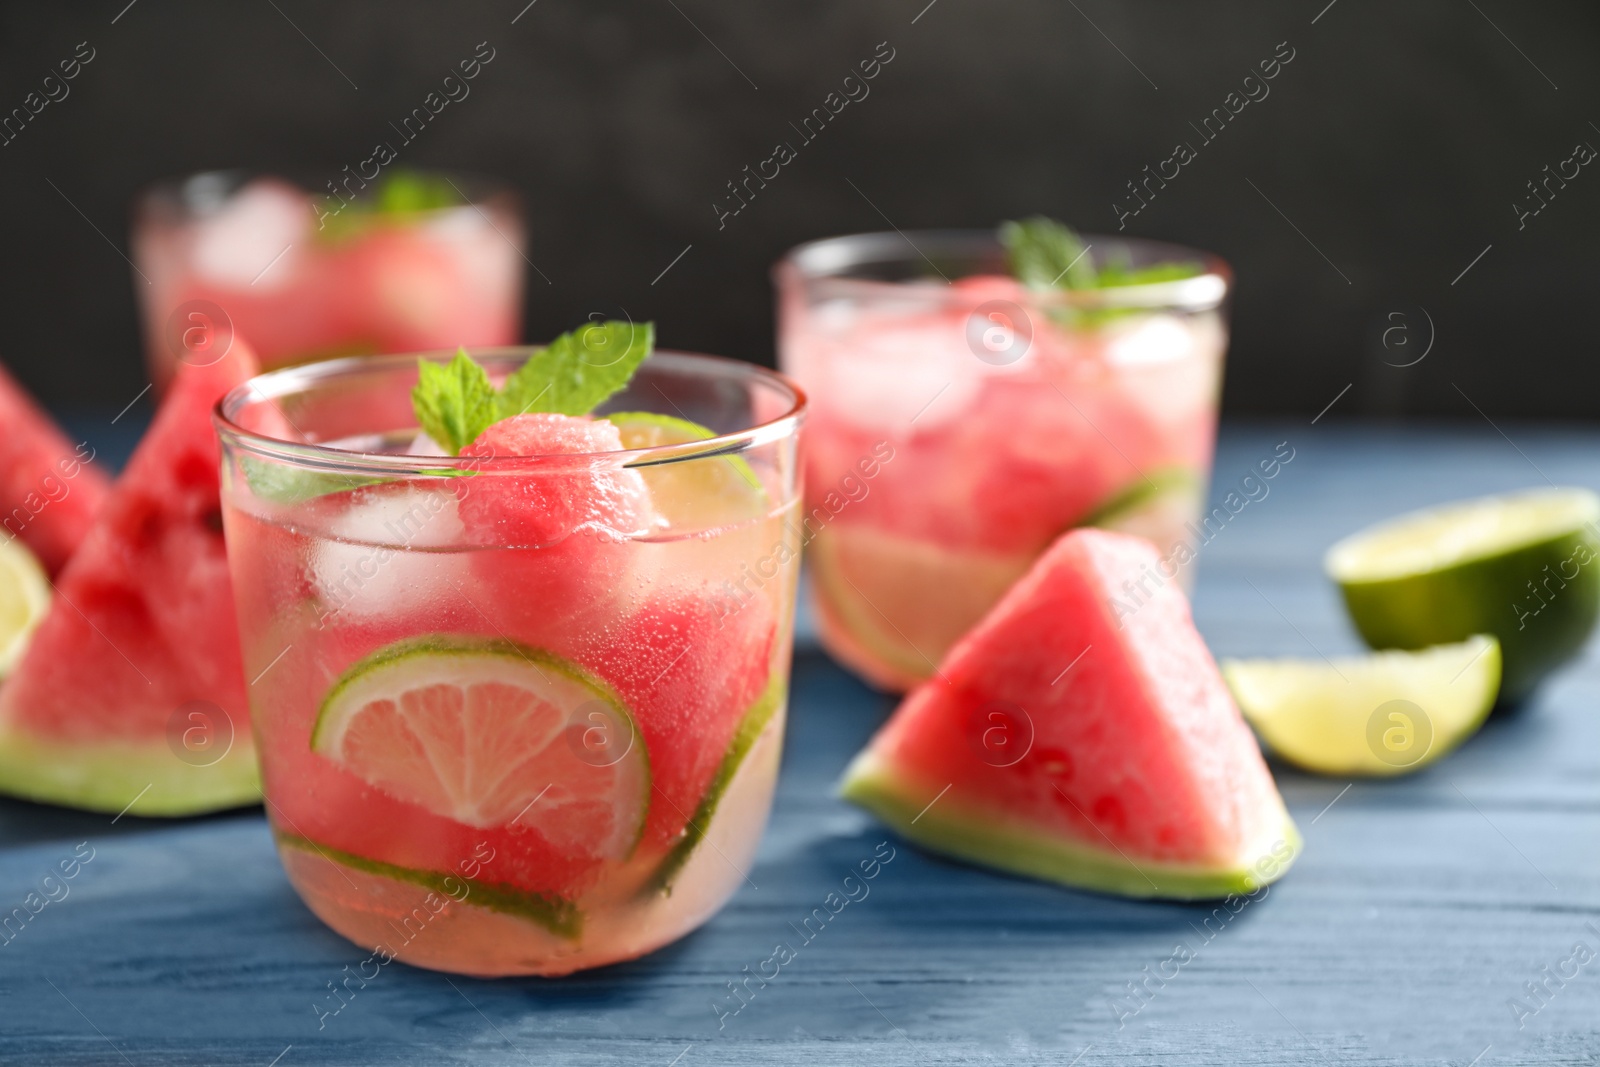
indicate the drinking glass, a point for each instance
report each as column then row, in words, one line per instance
column 515, row 714
column 960, row 422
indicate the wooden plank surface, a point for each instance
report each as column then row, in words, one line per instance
column 1418, row 912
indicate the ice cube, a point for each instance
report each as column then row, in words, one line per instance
column 374, row 560
column 237, row 244
column 1152, row 339
column 900, row 377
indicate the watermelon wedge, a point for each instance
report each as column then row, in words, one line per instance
column 1075, row 738
column 132, row 694
column 49, row 490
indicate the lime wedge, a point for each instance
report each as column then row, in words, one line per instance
column 1382, row 714
column 554, row 914
column 24, row 598
column 754, row 721
column 490, row 733
column 1153, row 507
column 706, row 492
column 1520, row 566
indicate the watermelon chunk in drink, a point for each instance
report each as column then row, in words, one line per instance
column 1077, row 736
column 131, row 695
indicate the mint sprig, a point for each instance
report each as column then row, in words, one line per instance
column 572, row 375
column 454, row 402
column 1044, row 254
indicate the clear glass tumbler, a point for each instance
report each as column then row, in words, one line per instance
column 515, row 714
column 961, row 421
column 419, row 261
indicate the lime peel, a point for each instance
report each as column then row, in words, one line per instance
column 560, row 917
column 751, row 725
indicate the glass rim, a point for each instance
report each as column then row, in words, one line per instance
column 823, row 261
column 167, row 194
column 287, row 381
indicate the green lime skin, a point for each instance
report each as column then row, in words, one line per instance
column 1539, row 627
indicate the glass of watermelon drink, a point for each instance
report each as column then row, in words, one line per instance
column 961, row 420
column 519, row 711
column 413, row 262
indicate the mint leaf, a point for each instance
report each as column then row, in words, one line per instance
column 399, row 196
column 1115, row 274
column 576, row 372
column 454, row 402
column 281, row 483
column 1045, row 254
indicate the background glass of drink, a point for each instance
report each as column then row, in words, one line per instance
column 961, row 421
column 496, row 739
column 416, row 261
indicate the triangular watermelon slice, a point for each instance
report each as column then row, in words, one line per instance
column 1082, row 733
column 49, row 491
column 132, row 694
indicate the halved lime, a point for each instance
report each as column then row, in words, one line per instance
column 1382, row 714
column 716, row 490
column 1520, row 566
column 24, row 599
column 491, row 733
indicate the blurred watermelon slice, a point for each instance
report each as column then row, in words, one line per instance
column 132, row 694
column 1085, row 737
column 49, row 491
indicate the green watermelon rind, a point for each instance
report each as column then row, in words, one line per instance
column 751, row 725
column 143, row 779
column 983, row 837
column 556, row 914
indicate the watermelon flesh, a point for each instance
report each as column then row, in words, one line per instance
column 132, row 690
column 1075, row 737
column 49, row 489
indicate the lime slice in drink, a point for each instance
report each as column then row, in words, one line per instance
column 751, row 724
column 701, row 493
column 1153, row 507
column 1522, row 567
column 490, row 733
column 1382, row 714
column 24, row 598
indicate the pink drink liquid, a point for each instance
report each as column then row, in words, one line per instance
column 673, row 621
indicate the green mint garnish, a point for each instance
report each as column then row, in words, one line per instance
column 408, row 192
column 577, row 371
column 397, row 196
column 572, row 375
column 1045, row 254
column 1119, row 273
column 454, row 402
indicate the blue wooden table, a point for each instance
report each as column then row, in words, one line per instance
column 1415, row 920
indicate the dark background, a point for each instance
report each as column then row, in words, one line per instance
column 1396, row 141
